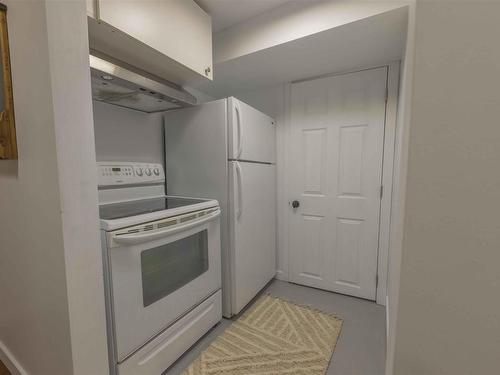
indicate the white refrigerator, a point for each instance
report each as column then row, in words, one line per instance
column 226, row 150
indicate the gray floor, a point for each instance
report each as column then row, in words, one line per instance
column 361, row 346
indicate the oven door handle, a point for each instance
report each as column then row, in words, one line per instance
column 132, row 239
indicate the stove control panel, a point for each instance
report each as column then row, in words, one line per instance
column 124, row 173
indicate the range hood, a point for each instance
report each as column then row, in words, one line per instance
column 120, row 86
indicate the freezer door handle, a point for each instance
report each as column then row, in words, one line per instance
column 239, row 200
column 240, row 130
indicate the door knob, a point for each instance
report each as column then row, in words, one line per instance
column 295, row 204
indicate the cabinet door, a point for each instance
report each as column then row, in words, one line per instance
column 179, row 29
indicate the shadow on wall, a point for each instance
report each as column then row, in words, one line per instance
column 8, row 169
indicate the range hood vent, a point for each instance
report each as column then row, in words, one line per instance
column 120, row 86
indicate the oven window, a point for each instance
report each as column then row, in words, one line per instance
column 168, row 268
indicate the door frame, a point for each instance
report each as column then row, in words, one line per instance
column 390, row 144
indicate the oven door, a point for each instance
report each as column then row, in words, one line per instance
column 158, row 272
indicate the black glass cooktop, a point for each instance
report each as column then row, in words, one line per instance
column 143, row 206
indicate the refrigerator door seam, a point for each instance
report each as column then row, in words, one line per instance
column 251, row 161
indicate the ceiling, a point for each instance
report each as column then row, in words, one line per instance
column 369, row 42
column 226, row 13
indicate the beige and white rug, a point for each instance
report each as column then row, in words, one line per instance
column 273, row 337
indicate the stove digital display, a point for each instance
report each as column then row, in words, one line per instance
column 115, row 169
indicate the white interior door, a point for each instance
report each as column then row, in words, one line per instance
column 337, row 141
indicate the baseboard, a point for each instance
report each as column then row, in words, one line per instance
column 10, row 361
column 280, row 275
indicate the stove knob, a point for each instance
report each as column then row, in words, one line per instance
column 139, row 172
column 148, row 172
column 157, row 172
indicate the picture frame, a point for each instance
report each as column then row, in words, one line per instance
column 8, row 143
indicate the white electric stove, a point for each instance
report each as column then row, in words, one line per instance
column 162, row 267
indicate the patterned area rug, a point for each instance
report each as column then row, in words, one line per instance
column 273, row 337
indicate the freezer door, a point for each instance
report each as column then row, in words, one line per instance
column 251, row 134
column 252, row 210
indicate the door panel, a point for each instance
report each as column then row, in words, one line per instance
column 313, row 261
column 314, row 160
column 336, row 172
column 351, row 160
column 349, row 234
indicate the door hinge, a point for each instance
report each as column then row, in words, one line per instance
column 381, row 191
column 386, row 94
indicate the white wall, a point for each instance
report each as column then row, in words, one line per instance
column 449, row 306
column 52, row 314
column 34, row 313
column 399, row 188
column 67, row 36
column 201, row 96
column 293, row 21
column 122, row 134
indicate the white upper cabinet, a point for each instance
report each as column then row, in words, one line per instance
column 168, row 38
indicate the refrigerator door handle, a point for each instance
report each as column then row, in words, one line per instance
column 239, row 208
column 240, row 130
